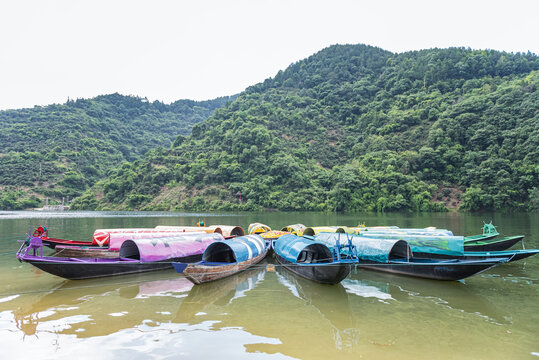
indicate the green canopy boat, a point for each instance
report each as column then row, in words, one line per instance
column 489, row 232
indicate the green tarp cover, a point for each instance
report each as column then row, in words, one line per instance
column 443, row 245
column 370, row 249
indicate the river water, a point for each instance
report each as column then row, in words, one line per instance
column 266, row 312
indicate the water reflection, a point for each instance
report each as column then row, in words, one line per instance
column 452, row 294
column 219, row 293
column 100, row 306
column 331, row 301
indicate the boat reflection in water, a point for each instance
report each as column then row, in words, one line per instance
column 99, row 307
column 220, row 293
column 455, row 295
column 331, row 302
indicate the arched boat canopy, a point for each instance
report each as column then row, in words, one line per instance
column 371, row 249
column 116, row 239
column 101, row 237
column 164, row 248
column 238, row 249
column 258, row 228
column 225, row 230
column 312, row 231
column 296, row 229
column 441, row 244
column 380, row 230
column 300, row 250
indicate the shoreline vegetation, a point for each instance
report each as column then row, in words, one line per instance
column 351, row 128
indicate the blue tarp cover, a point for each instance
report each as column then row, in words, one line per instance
column 290, row 246
column 244, row 247
column 444, row 245
column 370, row 249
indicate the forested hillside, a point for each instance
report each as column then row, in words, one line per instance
column 58, row 151
column 355, row 128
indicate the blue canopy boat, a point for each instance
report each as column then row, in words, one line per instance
column 225, row 258
column 311, row 259
column 396, row 256
column 492, row 244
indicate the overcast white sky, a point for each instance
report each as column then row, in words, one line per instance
column 202, row 49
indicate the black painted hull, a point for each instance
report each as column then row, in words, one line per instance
column 325, row 273
column 447, row 271
column 74, row 270
column 492, row 245
column 480, row 237
column 510, row 255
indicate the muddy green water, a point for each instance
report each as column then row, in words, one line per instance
column 266, row 313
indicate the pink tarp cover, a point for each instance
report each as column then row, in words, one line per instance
column 102, row 236
column 116, row 239
column 158, row 249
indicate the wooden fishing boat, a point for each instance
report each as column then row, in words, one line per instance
column 225, row 230
column 310, row 259
column 135, row 256
column 42, row 233
column 295, row 229
column 225, row 258
column 114, row 242
column 395, row 256
column 400, row 231
column 311, row 231
column 257, row 228
column 492, row 244
column 489, row 232
column 101, row 237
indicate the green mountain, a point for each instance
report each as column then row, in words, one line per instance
column 58, row 151
column 355, row 128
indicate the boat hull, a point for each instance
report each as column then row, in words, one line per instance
column 85, row 252
column 480, row 237
column 78, row 270
column 492, row 245
column 202, row 273
column 511, row 255
column 449, row 270
column 325, row 273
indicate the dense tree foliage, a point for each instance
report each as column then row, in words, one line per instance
column 352, row 127
column 58, row 151
column 355, row 128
